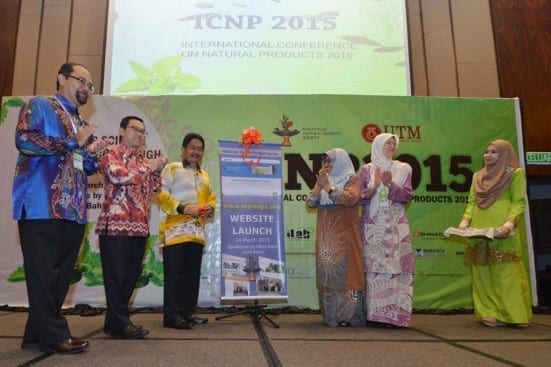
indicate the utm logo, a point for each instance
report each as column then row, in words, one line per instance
column 370, row 131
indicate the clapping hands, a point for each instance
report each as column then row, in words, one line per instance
column 158, row 164
column 384, row 177
column 198, row 210
column 97, row 145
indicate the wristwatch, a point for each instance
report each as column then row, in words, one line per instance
column 180, row 208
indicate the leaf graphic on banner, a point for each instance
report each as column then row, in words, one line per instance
column 166, row 66
column 12, row 102
column 361, row 40
column 88, row 264
column 164, row 77
column 142, row 72
column 133, row 85
column 18, row 275
column 185, row 81
column 152, row 269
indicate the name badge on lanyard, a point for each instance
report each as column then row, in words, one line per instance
column 383, row 197
column 78, row 160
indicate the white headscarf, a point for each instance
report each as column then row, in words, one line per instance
column 377, row 156
column 378, row 159
column 340, row 174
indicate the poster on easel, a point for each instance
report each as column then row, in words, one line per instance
column 252, row 228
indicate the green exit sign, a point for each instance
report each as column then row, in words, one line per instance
column 538, row 158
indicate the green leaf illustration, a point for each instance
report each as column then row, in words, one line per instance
column 167, row 65
column 164, row 77
column 141, row 71
column 88, row 265
column 155, row 269
column 152, row 268
column 12, row 102
column 186, row 81
column 18, row 275
column 133, row 85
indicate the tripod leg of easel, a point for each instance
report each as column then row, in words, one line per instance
column 263, row 314
column 256, row 311
column 243, row 312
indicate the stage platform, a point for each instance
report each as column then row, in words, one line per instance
column 301, row 340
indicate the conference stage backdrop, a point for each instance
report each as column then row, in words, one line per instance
column 442, row 138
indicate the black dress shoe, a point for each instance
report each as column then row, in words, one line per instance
column 107, row 330
column 30, row 345
column 179, row 323
column 68, row 346
column 129, row 332
column 197, row 320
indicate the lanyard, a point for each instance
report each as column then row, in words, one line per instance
column 75, row 120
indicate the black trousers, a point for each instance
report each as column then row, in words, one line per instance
column 50, row 248
column 182, row 277
column 121, row 261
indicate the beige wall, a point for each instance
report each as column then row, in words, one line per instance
column 52, row 31
column 451, row 45
column 452, row 48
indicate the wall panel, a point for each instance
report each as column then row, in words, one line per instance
column 28, row 38
column 474, row 49
column 54, row 42
column 8, row 35
column 88, row 36
column 522, row 31
column 439, row 48
column 418, row 64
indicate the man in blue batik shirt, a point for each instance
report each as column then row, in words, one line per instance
column 56, row 154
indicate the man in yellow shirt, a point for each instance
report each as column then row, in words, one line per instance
column 187, row 203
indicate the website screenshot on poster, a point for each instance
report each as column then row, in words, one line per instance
column 254, row 179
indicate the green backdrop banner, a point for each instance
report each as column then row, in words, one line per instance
column 441, row 138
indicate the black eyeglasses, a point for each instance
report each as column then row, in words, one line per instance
column 137, row 129
column 84, row 82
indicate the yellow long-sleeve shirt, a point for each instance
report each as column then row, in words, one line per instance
column 183, row 185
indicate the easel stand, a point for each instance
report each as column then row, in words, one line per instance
column 256, row 311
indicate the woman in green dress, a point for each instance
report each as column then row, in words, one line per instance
column 500, row 286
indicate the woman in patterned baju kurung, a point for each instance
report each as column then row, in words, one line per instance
column 385, row 186
column 500, row 286
column 339, row 271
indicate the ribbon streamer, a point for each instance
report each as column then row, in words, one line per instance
column 249, row 137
